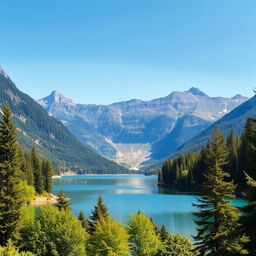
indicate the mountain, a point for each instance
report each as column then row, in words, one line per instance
column 235, row 120
column 51, row 137
column 137, row 132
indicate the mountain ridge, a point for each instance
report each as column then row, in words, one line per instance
column 51, row 137
column 136, row 122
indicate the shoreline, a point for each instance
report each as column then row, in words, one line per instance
column 41, row 200
column 94, row 174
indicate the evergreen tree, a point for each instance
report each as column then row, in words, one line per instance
column 10, row 250
column 232, row 166
column 143, row 238
column 83, row 220
column 62, row 201
column 163, row 233
column 25, row 167
column 156, row 228
column 37, row 171
column 47, row 171
column 248, row 219
column 100, row 210
column 11, row 198
column 246, row 153
column 110, row 238
column 217, row 217
column 177, row 245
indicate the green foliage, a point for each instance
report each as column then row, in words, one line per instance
column 28, row 192
column 56, row 142
column 186, row 172
column 11, row 198
column 163, row 233
column 84, row 222
column 55, row 233
column 47, row 171
column 62, row 201
column 177, row 245
column 10, row 250
column 177, row 173
column 217, row 217
column 109, row 238
column 144, row 241
column 37, row 171
column 248, row 219
column 100, row 211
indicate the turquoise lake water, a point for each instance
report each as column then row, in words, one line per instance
column 127, row 194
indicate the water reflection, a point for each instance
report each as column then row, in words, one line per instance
column 128, row 194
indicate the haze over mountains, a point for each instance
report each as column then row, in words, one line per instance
column 138, row 132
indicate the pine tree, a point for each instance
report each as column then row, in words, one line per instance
column 233, row 146
column 37, row 171
column 110, row 238
column 156, row 228
column 143, row 238
column 25, row 167
column 177, row 245
column 163, row 233
column 246, row 153
column 83, row 220
column 100, row 210
column 62, row 201
column 248, row 219
column 11, row 198
column 217, row 217
column 47, row 171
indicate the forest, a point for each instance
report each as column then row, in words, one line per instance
column 222, row 228
column 186, row 172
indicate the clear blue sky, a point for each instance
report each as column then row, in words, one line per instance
column 102, row 51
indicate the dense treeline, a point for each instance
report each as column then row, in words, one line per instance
column 222, row 228
column 22, row 174
column 186, row 172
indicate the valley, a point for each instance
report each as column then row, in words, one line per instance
column 139, row 133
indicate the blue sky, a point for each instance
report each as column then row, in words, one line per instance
column 103, row 51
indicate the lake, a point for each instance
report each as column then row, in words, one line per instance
column 126, row 194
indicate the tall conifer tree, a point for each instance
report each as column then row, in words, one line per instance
column 25, row 167
column 47, row 171
column 83, row 220
column 217, row 217
column 63, row 201
column 11, row 198
column 37, row 171
column 248, row 219
column 100, row 211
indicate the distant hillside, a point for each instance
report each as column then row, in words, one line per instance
column 140, row 132
column 49, row 135
column 235, row 120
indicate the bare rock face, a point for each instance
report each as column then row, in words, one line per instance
column 163, row 123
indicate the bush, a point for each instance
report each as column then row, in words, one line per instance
column 55, row 233
column 10, row 250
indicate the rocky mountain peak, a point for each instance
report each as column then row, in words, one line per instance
column 56, row 98
column 197, row 92
column 238, row 97
column 2, row 72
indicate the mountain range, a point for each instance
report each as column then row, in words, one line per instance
column 51, row 138
column 136, row 132
column 235, row 120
